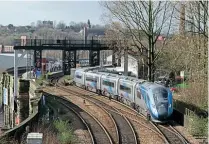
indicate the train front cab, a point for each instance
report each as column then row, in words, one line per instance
column 158, row 102
column 163, row 102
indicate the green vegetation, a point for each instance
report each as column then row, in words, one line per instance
column 64, row 132
column 7, row 140
column 40, row 80
column 67, row 77
column 198, row 126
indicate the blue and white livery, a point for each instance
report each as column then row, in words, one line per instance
column 150, row 99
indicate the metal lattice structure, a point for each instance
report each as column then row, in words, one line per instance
column 69, row 47
column 69, row 61
column 29, row 61
column 38, row 58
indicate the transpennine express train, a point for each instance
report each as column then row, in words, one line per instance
column 150, row 99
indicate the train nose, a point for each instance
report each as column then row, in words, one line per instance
column 162, row 112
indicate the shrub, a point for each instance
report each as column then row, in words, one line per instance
column 61, row 126
column 65, row 132
column 68, row 77
column 198, row 126
column 196, row 93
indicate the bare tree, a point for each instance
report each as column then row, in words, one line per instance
column 61, row 25
column 145, row 21
column 196, row 23
column 181, row 54
column 39, row 23
column 120, row 41
column 196, row 16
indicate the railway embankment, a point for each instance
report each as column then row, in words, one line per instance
column 24, row 113
column 184, row 114
column 20, row 113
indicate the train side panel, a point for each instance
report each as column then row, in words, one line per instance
column 139, row 100
column 91, row 81
column 108, row 85
column 125, row 91
column 170, row 103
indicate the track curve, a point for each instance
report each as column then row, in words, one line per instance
column 100, row 135
column 172, row 136
column 126, row 132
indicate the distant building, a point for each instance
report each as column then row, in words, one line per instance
column 47, row 24
column 88, row 33
column 93, row 32
column 7, row 61
column 6, row 49
column 132, row 64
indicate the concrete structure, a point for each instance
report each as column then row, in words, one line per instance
column 34, row 138
column 7, row 61
column 132, row 64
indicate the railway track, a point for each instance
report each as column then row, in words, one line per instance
column 98, row 112
column 168, row 134
column 81, row 128
column 126, row 132
column 139, row 123
column 97, row 131
column 172, row 136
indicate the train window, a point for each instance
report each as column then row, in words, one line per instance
column 78, row 76
column 107, row 83
column 91, row 79
column 148, row 97
column 160, row 93
column 138, row 93
column 155, row 97
column 126, row 89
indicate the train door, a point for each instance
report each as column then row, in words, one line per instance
column 140, row 99
column 99, row 83
column 108, row 86
column 125, row 91
column 84, row 79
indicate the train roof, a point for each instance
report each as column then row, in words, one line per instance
column 133, row 79
column 80, row 69
column 151, row 85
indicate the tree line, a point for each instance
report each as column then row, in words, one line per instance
column 163, row 36
column 44, row 30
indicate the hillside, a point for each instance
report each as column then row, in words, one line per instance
column 45, row 30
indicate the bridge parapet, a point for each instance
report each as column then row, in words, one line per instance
column 51, row 44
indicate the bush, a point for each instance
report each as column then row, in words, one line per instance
column 66, row 137
column 7, row 140
column 49, row 135
column 68, row 77
column 40, row 80
column 196, row 93
column 198, row 126
column 61, row 126
column 65, row 132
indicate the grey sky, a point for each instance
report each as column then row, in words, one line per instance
column 25, row 12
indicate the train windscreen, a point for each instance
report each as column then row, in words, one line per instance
column 160, row 93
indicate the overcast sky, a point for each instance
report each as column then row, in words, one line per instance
column 24, row 13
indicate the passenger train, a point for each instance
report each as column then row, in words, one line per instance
column 150, row 99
